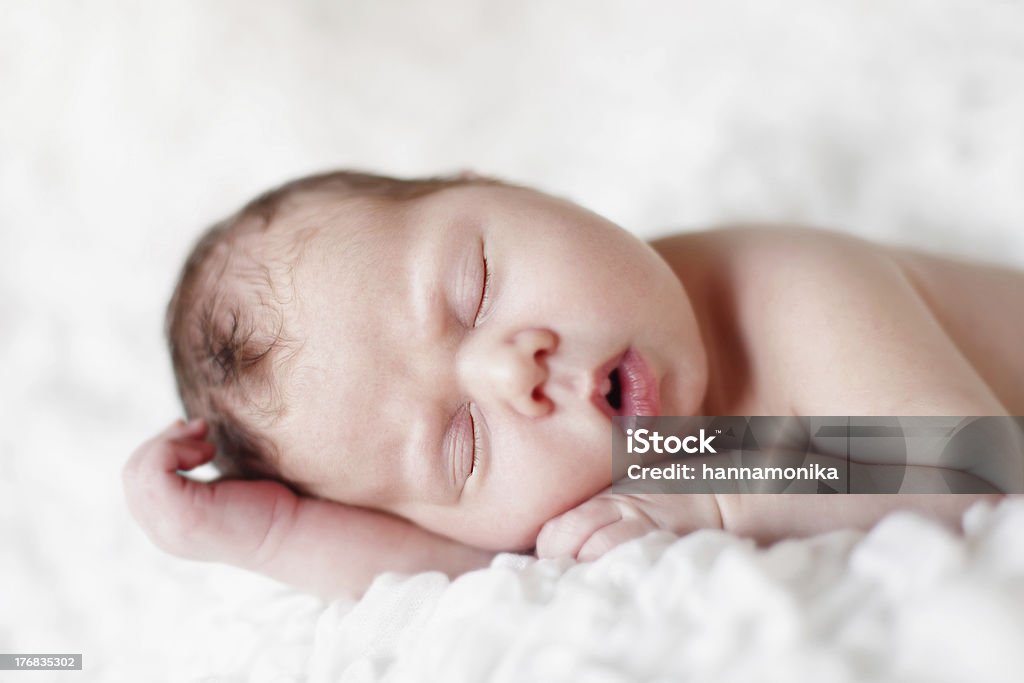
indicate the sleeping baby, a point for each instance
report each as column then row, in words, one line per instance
column 409, row 375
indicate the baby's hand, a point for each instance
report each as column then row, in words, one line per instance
column 320, row 546
column 223, row 521
column 594, row 527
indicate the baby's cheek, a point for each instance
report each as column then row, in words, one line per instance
column 548, row 477
column 518, row 529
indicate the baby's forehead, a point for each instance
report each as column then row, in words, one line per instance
column 272, row 262
column 330, row 261
column 321, row 223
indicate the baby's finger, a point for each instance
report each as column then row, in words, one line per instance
column 195, row 428
column 172, row 510
column 187, row 454
column 175, row 455
column 564, row 535
column 153, row 468
column 610, row 536
column 194, row 431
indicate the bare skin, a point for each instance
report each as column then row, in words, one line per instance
column 794, row 322
column 907, row 313
column 321, row 547
column 749, row 284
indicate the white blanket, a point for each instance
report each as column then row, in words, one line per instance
column 906, row 602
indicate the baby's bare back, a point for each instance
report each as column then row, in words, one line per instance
column 810, row 322
column 981, row 307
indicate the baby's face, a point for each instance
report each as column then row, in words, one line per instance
column 454, row 353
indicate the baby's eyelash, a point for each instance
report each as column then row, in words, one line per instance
column 476, row 442
column 485, row 295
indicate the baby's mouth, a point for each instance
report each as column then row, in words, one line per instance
column 625, row 385
column 607, row 391
column 614, row 395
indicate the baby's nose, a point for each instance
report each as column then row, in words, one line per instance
column 517, row 370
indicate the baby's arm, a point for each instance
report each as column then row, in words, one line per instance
column 609, row 519
column 322, row 547
column 773, row 517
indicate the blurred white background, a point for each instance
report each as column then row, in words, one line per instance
column 128, row 127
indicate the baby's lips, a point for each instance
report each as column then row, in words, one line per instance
column 640, row 393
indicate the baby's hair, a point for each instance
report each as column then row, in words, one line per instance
column 225, row 321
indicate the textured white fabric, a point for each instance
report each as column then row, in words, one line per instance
column 906, row 602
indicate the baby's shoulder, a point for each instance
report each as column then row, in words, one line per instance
column 770, row 276
column 732, row 258
column 824, row 323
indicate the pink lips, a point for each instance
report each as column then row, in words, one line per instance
column 640, row 394
column 639, row 388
